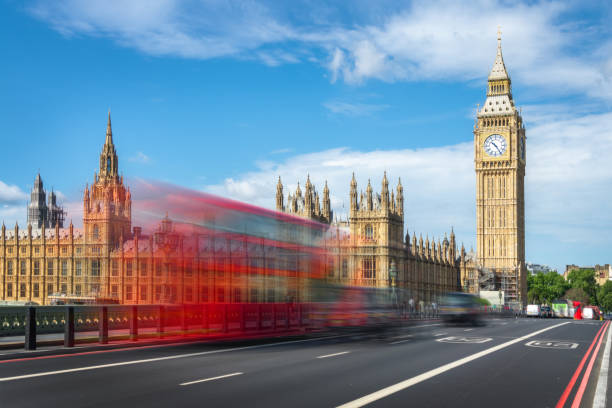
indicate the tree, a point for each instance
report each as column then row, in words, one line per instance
column 577, row 294
column 584, row 279
column 606, row 303
column 545, row 287
column 604, row 296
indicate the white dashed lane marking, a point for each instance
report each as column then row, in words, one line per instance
column 334, row 354
column 210, row 379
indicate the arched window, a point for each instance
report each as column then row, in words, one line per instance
column 96, row 232
column 108, row 164
column 369, row 232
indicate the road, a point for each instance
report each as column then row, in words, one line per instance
column 507, row 363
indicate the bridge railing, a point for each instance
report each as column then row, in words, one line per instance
column 147, row 321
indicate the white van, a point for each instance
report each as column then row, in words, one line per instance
column 587, row 313
column 533, row 311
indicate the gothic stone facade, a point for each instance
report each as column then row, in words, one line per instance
column 106, row 259
column 369, row 249
column 39, row 212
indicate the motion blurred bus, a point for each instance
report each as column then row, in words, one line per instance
column 232, row 252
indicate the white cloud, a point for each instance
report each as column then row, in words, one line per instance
column 353, row 109
column 140, row 157
column 424, row 40
column 568, row 179
column 11, row 194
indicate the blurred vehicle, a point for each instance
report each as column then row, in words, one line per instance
column 355, row 309
column 546, row 311
column 597, row 313
column 532, row 311
column 460, row 308
column 561, row 309
column 591, row 313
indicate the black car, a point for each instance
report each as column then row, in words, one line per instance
column 460, row 308
column 546, row 311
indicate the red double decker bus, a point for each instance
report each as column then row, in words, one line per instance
column 217, row 250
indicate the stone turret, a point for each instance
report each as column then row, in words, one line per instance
column 353, row 193
column 280, row 205
column 384, row 193
column 107, row 204
column 307, row 205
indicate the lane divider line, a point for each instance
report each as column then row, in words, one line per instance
column 404, row 336
column 154, row 359
column 210, row 379
column 334, row 354
column 587, row 373
column 385, row 392
column 400, row 341
column 572, row 381
column 602, row 382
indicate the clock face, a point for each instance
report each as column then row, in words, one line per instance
column 495, row 145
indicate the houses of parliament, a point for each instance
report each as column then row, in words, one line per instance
column 109, row 258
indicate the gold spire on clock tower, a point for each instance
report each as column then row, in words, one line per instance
column 499, row 146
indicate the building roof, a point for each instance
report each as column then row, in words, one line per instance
column 498, row 72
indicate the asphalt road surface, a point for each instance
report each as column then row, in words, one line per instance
column 507, row 363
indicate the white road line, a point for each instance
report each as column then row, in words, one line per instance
column 404, row 336
column 385, row 392
column 211, row 379
column 334, row 354
column 468, row 329
column 400, row 341
column 425, row 325
column 151, row 360
column 440, row 334
column 602, row 382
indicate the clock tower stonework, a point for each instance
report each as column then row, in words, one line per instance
column 500, row 157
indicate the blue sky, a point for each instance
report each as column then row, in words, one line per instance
column 225, row 96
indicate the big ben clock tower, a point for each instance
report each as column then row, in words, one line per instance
column 500, row 156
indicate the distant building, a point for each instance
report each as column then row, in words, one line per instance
column 41, row 213
column 535, row 269
column 603, row 273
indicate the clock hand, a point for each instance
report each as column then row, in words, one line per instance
column 493, row 143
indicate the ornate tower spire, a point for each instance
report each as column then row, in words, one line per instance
column 499, row 68
column 109, row 163
column 109, row 131
column 400, row 198
column 308, row 198
column 280, row 206
column 369, row 196
column 353, row 193
column 385, row 192
column 298, row 190
column 37, row 208
column 326, row 203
